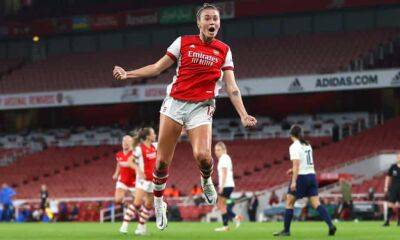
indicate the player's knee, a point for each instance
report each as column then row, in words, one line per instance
column 148, row 205
column 290, row 201
column 315, row 203
column 289, row 204
column 118, row 199
column 203, row 156
column 204, row 160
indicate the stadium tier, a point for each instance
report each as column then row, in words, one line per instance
column 8, row 65
column 264, row 57
column 320, row 125
column 71, row 169
column 377, row 183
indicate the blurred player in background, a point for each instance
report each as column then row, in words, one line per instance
column 125, row 172
column 392, row 190
column 202, row 62
column 142, row 206
column 226, row 186
column 303, row 182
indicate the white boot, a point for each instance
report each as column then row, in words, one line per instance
column 141, row 229
column 222, row 229
column 160, row 208
column 124, row 228
column 209, row 193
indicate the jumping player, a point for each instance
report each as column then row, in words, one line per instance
column 142, row 206
column 202, row 62
column 304, row 182
column 392, row 192
column 226, row 184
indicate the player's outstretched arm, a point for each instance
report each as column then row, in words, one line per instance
column 236, row 98
column 147, row 71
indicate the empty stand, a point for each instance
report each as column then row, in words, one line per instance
column 266, row 57
column 377, row 183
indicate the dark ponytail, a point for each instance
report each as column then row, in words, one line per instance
column 297, row 132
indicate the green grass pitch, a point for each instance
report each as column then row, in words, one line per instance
column 200, row 231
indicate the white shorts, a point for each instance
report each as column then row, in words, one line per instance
column 188, row 114
column 123, row 186
column 145, row 185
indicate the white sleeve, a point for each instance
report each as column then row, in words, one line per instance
column 155, row 144
column 228, row 64
column 174, row 50
column 138, row 153
column 223, row 162
column 294, row 152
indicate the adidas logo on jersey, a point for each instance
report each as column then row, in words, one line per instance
column 192, row 46
column 396, row 79
column 295, row 86
column 216, row 52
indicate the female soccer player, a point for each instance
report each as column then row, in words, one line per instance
column 145, row 154
column 202, row 62
column 304, row 182
column 392, row 192
column 226, row 186
column 125, row 171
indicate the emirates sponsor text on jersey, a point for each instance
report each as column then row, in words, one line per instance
column 202, row 59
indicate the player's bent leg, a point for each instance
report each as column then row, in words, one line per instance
column 221, row 205
column 130, row 214
column 146, row 211
column 290, row 200
column 119, row 199
column 315, row 203
column 390, row 211
column 168, row 135
column 200, row 139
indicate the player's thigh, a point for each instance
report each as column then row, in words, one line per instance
column 119, row 195
column 314, row 201
column 168, row 135
column 200, row 139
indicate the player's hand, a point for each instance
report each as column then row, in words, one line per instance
column 115, row 177
column 220, row 191
column 293, row 186
column 289, row 172
column 248, row 121
column 119, row 73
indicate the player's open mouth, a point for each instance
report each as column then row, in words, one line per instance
column 211, row 29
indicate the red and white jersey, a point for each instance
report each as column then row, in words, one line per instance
column 147, row 159
column 127, row 175
column 200, row 68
